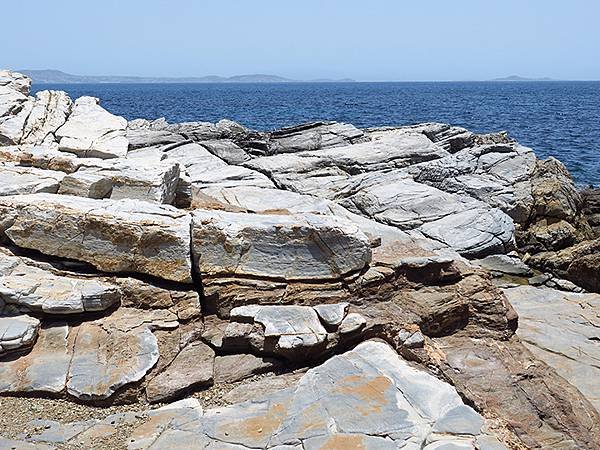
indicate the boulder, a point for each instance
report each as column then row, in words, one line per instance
column 15, row 105
column 577, row 263
column 556, row 219
column 585, row 272
column 591, row 208
column 49, row 113
column 91, row 131
column 112, row 235
column 17, row 332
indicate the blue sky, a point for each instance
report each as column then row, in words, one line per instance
column 367, row 40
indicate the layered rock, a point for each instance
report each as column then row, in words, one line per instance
column 90, row 361
column 114, row 236
column 283, row 253
column 307, row 247
column 374, row 398
column 40, row 290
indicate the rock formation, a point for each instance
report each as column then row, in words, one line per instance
column 203, row 285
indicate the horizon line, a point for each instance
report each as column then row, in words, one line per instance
column 195, row 79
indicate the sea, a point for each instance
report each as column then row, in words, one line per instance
column 555, row 118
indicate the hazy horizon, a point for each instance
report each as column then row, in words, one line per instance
column 466, row 40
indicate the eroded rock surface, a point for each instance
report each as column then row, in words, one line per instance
column 114, row 236
column 145, row 262
column 366, row 398
column 563, row 330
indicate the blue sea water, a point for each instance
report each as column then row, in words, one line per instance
column 560, row 119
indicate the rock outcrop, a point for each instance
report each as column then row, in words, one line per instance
column 319, row 286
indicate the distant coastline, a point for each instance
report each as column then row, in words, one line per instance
column 49, row 76
column 59, row 77
column 520, row 78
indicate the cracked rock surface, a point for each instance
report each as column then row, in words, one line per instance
column 204, row 285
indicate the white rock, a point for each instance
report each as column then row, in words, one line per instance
column 91, row 131
column 15, row 180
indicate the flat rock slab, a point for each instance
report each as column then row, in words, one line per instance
column 306, row 247
column 90, row 361
column 45, row 368
column 91, row 131
column 367, row 398
column 114, row 236
column 563, row 330
column 117, row 179
column 510, row 265
column 39, row 290
column 191, row 368
column 16, row 180
column 107, row 358
column 232, row 368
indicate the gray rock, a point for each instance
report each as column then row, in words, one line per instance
column 374, row 398
column 86, row 183
column 39, row 290
column 539, row 280
column 352, row 323
column 313, row 136
column 562, row 329
column 44, row 368
column 277, row 246
column 28, row 180
column 332, row 315
column 50, row 111
column 232, row 368
column 510, row 265
column 293, row 327
column 191, row 368
column 460, row 420
column 17, row 332
column 474, row 233
column 107, row 357
column 227, row 150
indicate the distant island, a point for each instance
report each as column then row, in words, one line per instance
column 519, row 78
column 58, row 77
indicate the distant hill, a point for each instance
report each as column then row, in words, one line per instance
column 519, row 78
column 58, row 77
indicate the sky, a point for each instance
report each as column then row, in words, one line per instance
column 367, row 40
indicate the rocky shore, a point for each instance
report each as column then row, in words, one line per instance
column 202, row 285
